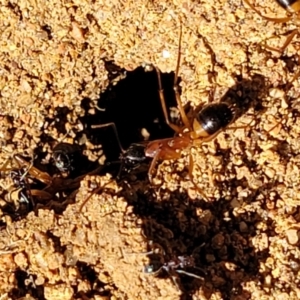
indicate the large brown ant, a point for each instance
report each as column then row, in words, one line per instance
column 292, row 8
column 204, row 125
column 206, row 122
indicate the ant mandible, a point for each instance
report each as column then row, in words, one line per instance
column 292, row 7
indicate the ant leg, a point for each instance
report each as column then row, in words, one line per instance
column 184, row 117
column 189, row 274
column 4, row 167
column 176, row 128
column 191, row 167
column 33, row 171
column 95, row 191
column 239, row 127
column 277, row 124
column 113, row 125
column 277, row 20
column 41, row 194
column 176, row 280
column 286, row 43
column 242, row 126
column 152, row 165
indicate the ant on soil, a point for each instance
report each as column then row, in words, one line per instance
column 69, row 160
column 173, row 266
column 55, row 188
column 129, row 159
column 18, row 177
column 21, row 182
column 205, row 124
column 292, row 8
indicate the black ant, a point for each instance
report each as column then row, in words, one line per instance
column 173, row 266
column 292, row 8
column 205, row 124
column 130, row 158
column 20, row 178
column 55, row 187
column 67, row 158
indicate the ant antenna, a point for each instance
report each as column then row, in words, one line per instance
column 179, row 55
column 113, row 125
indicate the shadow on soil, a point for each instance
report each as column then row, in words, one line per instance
column 217, row 239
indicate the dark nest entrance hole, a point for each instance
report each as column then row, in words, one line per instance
column 134, row 106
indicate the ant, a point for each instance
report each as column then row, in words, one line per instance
column 132, row 157
column 292, row 8
column 55, row 187
column 173, row 266
column 205, row 124
column 33, row 171
column 19, row 177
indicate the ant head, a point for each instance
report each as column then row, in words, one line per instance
column 134, row 155
column 153, row 268
column 65, row 156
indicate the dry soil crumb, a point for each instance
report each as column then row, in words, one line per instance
column 57, row 58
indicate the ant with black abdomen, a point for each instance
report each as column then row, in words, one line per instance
column 22, row 184
column 204, row 124
column 52, row 190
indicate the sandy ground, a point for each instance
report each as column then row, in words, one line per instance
column 68, row 65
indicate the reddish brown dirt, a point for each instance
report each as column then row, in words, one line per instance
column 56, row 61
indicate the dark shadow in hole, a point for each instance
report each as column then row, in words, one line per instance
column 56, row 242
column 86, row 272
column 23, row 288
column 132, row 104
column 199, row 229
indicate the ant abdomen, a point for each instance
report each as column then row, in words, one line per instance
column 213, row 117
column 66, row 156
column 290, row 5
